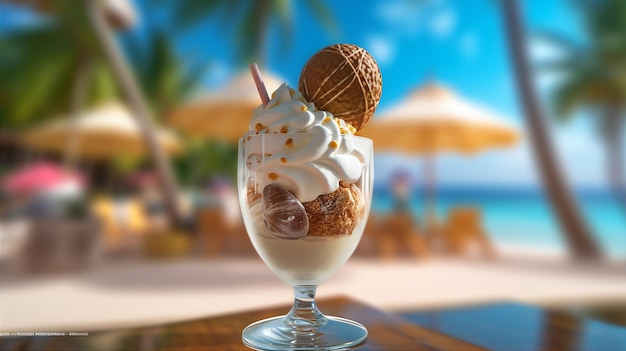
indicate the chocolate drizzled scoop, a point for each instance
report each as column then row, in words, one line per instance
column 344, row 80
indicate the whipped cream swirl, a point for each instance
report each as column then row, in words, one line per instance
column 306, row 151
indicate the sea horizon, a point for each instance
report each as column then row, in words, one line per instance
column 521, row 216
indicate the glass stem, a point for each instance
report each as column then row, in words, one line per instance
column 304, row 316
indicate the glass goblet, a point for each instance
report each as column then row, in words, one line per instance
column 302, row 261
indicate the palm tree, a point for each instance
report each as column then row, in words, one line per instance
column 39, row 65
column 579, row 239
column 75, row 47
column 595, row 78
column 120, row 69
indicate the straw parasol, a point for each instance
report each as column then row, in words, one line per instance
column 105, row 132
column 224, row 114
column 433, row 119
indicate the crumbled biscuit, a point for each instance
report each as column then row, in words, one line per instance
column 337, row 213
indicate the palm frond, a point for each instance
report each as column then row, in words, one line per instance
column 594, row 73
column 191, row 78
column 284, row 13
column 189, row 13
column 248, row 21
column 583, row 88
column 324, row 15
column 249, row 36
column 101, row 86
column 37, row 92
column 35, row 66
column 161, row 72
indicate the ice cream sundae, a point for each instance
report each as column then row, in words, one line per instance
column 305, row 186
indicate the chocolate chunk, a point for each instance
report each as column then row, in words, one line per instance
column 283, row 214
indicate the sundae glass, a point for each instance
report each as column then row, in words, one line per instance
column 305, row 187
column 300, row 260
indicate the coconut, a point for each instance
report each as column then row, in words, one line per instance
column 344, row 80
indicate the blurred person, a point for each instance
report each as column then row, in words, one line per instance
column 401, row 188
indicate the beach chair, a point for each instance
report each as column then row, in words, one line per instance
column 124, row 227
column 403, row 234
column 216, row 234
column 102, row 208
column 464, row 231
column 211, row 230
column 394, row 234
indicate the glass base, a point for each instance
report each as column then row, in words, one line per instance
column 275, row 334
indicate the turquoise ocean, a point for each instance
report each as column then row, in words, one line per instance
column 523, row 217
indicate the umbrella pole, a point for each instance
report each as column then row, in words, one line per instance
column 430, row 193
column 79, row 90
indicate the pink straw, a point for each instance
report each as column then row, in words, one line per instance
column 260, row 86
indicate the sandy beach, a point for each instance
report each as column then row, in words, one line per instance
column 142, row 292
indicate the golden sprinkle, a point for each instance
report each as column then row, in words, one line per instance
column 248, row 138
column 258, row 127
column 289, row 142
column 333, row 145
column 284, row 129
column 303, row 108
column 283, row 159
column 272, row 176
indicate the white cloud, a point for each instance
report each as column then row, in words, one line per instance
column 442, row 22
column 542, row 51
column 382, row 49
column 435, row 18
column 581, row 154
column 402, row 16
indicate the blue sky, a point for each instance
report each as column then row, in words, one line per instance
column 459, row 43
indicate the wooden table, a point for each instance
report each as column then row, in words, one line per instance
column 509, row 327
